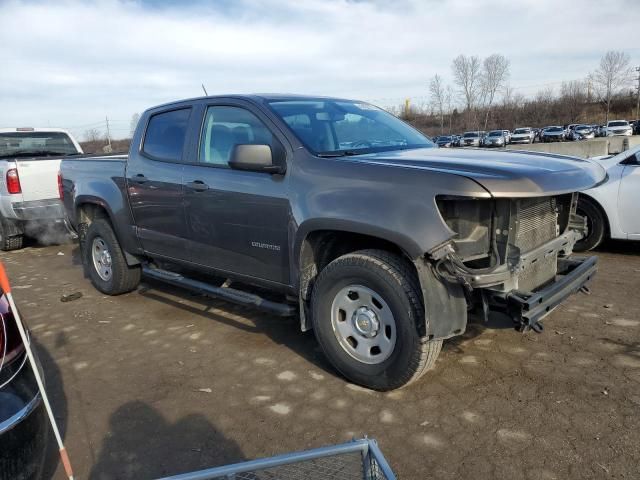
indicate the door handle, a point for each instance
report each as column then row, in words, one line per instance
column 139, row 178
column 198, row 186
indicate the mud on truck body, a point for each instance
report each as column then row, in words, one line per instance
column 340, row 214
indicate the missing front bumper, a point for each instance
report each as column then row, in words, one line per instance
column 528, row 308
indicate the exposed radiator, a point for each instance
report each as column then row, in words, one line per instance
column 537, row 223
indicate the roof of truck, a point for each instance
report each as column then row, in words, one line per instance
column 259, row 97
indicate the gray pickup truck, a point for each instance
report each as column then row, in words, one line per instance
column 337, row 212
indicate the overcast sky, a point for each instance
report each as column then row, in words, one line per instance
column 71, row 63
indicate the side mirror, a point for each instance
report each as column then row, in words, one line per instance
column 254, row 158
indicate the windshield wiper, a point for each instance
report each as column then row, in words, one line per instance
column 341, row 153
column 35, row 153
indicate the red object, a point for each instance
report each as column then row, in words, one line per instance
column 13, row 181
column 12, row 335
column 60, row 189
column 4, row 280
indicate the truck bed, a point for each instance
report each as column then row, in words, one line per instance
column 86, row 173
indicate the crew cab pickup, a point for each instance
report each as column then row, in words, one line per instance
column 29, row 166
column 339, row 213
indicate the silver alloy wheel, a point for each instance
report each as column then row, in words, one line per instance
column 101, row 258
column 363, row 324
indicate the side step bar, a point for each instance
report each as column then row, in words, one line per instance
column 225, row 293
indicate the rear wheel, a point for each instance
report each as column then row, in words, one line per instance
column 9, row 239
column 596, row 225
column 104, row 260
column 366, row 310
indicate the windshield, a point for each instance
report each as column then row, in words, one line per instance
column 522, row 130
column 444, row 139
column 496, row 133
column 470, row 134
column 583, row 127
column 35, row 143
column 341, row 127
column 618, row 124
column 554, row 129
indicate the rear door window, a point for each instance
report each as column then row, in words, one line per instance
column 165, row 135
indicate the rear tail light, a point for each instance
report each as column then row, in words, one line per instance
column 10, row 342
column 13, row 181
column 60, row 189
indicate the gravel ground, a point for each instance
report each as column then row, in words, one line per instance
column 160, row 382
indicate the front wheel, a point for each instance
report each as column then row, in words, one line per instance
column 366, row 312
column 104, row 260
column 596, row 226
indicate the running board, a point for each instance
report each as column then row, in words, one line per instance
column 225, row 293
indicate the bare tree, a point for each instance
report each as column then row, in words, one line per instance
column 448, row 98
column 466, row 75
column 437, row 95
column 612, row 74
column 92, row 135
column 541, row 106
column 512, row 105
column 495, row 72
column 573, row 97
column 134, row 123
column 507, row 95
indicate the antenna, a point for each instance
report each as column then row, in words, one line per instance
column 205, row 90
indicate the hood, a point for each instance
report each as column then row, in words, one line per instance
column 503, row 174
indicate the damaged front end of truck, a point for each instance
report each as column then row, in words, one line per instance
column 511, row 255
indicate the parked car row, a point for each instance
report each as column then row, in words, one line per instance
column 553, row 133
column 493, row 138
column 612, row 128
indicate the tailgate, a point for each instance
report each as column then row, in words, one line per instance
column 39, row 178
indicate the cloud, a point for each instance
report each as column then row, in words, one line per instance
column 71, row 63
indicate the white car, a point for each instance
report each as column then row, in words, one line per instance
column 522, row 135
column 472, row 139
column 582, row 132
column 611, row 208
column 29, row 189
column 618, row 127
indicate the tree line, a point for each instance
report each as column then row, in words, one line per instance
column 480, row 97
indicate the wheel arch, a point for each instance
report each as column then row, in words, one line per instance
column 89, row 209
column 319, row 247
column 593, row 201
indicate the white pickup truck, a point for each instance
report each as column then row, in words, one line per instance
column 29, row 192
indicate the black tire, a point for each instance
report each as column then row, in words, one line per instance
column 122, row 278
column 9, row 241
column 394, row 281
column 596, row 225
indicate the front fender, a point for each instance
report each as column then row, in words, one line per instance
column 392, row 203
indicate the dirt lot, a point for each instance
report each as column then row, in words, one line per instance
column 160, row 382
